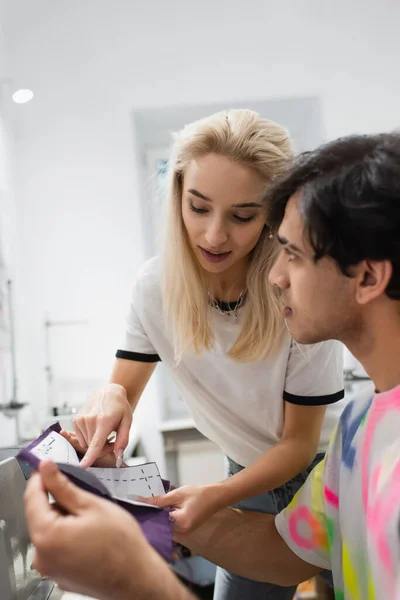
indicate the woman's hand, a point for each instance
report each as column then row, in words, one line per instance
column 107, row 457
column 108, row 410
column 192, row 505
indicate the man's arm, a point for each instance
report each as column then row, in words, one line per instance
column 93, row 546
column 248, row 544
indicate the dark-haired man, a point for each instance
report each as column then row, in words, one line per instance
column 337, row 216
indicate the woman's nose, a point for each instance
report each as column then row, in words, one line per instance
column 216, row 235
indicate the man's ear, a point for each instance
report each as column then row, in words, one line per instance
column 372, row 279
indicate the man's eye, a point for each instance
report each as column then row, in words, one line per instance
column 289, row 254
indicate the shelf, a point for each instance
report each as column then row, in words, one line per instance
column 176, row 424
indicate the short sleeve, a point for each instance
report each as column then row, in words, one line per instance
column 136, row 344
column 314, row 374
column 303, row 524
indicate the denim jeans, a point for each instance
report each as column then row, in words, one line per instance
column 229, row 586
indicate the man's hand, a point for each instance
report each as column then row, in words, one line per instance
column 192, row 505
column 91, row 546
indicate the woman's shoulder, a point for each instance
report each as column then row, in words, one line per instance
column 150, row 269
column 148, row 276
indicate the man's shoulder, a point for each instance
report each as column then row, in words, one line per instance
column 351, row 419
column 358, row 404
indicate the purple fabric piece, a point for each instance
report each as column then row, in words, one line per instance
column 30, row 458
column 154, row 523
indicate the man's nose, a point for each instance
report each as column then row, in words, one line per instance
column 278, row 273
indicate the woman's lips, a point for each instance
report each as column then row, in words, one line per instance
column 214, row 257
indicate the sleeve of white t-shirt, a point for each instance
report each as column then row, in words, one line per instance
column 305, row 514
column 136, row 344
column 314, row 374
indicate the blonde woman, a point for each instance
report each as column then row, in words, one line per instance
column 206, row 309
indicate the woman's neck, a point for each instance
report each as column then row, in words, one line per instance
column 228, row 286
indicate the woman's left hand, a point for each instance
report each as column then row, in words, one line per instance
column 106, row 459
column 191, row 504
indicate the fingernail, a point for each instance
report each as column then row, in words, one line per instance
column 120, row 458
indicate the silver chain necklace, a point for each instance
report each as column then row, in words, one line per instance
column 228, row 313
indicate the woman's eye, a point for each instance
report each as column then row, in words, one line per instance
column 243, row 219
column 199, row 211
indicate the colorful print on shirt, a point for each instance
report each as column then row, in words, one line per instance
column 346, row 517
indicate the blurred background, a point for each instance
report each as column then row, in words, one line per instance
column 82, row 165
column 90, row 91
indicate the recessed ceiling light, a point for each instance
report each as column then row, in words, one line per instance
column 22, row 96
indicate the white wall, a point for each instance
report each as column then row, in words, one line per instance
column 8, row 429
column 90, row 64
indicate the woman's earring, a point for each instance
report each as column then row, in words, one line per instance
column 271, row 235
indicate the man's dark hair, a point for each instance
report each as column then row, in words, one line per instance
column 349, row 198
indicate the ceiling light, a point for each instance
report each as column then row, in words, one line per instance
column 22, row 96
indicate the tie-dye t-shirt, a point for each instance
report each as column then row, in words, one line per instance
column 346, row 517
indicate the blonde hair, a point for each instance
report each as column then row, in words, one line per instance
column 244, row 137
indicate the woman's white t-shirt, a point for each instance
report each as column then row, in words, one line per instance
column 239, row 406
